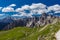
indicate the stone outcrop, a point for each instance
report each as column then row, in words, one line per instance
column 9, row 22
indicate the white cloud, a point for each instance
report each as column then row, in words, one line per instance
column 19, row 10
column 15, row 15
column 12, row 5
column 26, row 15
column 38, row 6
column 25, row 7
column 57, row 12
column 34, row 8
column 8, row 9
column 42, row 11
column 31, row 7
column 55, row 8
column 22, row 15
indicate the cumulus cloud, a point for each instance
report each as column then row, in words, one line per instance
column 55, row 8
column 12, row 5
column 35, row 8
column 8, row 9
column 38, row 8
column 19, row 10
column 23, row 8
column 24, row 15
column 57, row 12
column 40, row 11
column 15, row 15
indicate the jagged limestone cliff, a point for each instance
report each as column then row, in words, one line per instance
column 46, row 32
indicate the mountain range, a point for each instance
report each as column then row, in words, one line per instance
column 10, row 22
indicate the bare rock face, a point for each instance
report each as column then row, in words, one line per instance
column 44, row 19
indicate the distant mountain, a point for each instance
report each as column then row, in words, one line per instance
column 10, row 22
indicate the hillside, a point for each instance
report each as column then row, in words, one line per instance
column 24, row 33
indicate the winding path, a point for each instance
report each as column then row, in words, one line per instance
column 57, row 35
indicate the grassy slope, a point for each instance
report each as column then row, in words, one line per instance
column 24, row 33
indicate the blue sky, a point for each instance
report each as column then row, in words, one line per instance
column 19, row 3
